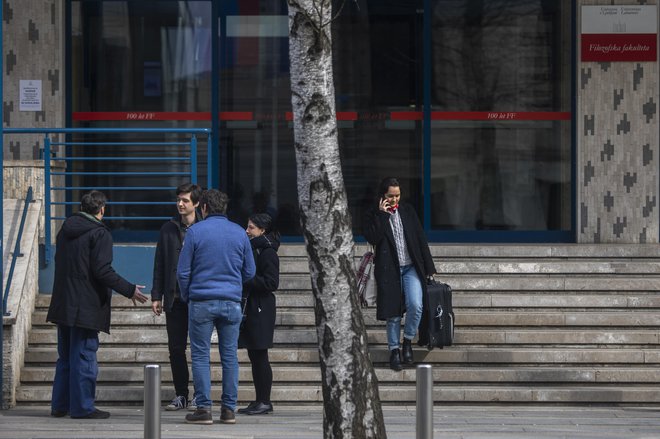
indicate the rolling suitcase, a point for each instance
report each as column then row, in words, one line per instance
column 440, row 314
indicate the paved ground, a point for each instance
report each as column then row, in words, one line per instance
column 295, row 422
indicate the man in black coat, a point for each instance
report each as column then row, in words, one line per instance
column 80, row 306
column 165, row 292
column 402, row 262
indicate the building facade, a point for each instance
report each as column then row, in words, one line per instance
column 497, row 128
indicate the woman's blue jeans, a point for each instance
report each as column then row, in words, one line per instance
column 412, row 291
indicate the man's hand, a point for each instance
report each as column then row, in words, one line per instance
column 138, row 296
column 157, row 307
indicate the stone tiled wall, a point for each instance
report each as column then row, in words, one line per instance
column 617, row 148
column 33, row 49
column 19, row 175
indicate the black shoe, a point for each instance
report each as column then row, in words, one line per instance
column 407, row 351
column 199, row 416
column 262, row 408
column 395, row 360
column 58, row 413
column 227, row 416
column 96, row 414
column 250, row 406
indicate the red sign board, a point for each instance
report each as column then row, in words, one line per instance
column 619, row 47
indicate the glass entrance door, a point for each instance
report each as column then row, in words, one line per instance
column 500, row 137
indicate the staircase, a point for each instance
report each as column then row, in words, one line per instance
column 535, row 324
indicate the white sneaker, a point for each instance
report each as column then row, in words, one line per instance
column 192, row 405
column 178, row 403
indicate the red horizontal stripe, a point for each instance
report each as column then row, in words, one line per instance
column 139, row 115
column 158, row 115
column 236, row 115
column 341, row 115
column 483, row 115
column 500, row 115
column 347, row 115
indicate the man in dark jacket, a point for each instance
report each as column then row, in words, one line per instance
column 80, row 306
column 165, row 292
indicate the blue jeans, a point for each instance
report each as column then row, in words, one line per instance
column 225, row 316
column 412, row 291
column 76, row 370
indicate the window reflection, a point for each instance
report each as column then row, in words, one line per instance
column 501, row 56
column 130, row 61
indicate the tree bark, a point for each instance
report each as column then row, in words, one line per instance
column 350, row 388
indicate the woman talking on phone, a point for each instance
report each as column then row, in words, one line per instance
column 402, row 262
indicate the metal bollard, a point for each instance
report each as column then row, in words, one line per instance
column 152, row 401
column 424, row 401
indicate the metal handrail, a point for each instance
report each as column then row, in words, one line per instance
column 67, row 187
column 17, row 251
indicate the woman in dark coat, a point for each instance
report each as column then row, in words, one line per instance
column 402, row 262
column 257, row 329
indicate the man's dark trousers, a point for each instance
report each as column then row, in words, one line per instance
column 74, row 387
column 177, row 339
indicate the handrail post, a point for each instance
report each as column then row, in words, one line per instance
column 152, row 401
column 424, row 401
column 47, row 201
column 193, row 159
column 209, row 165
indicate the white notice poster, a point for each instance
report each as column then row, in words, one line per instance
column 30, row 95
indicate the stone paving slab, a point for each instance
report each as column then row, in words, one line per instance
column 297, row 422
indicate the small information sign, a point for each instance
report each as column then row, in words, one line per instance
column 30, row 95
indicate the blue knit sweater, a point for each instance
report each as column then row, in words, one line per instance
column 215, row 261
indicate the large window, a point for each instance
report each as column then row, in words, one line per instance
column 467, row 102
column 501, row 97
column 256, row 134
column 131, row 61
column 378, row 74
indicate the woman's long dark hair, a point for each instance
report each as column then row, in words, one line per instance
column 385, row 184
column 264, row 221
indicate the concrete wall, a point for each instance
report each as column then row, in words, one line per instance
column 617, row 144
column 23, row 292
column 19, row 175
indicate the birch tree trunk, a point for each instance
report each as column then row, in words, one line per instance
column 351, row 406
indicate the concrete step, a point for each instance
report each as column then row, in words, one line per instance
column 520, row 282
column 296, row 337
column 390, row 394
column 507, row 251
column 519, row 355
column 441, row 374
column 558, row 323
column 465, row 317
column 517, row 266
column 461, row 299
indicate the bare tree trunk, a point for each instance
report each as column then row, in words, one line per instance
column 350, row 388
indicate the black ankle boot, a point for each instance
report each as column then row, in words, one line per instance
column 395, row 360
column 407, row 351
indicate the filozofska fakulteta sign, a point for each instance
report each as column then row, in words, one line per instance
column 619, row 33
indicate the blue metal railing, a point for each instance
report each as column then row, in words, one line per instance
column 188, row 156
column 17, row 251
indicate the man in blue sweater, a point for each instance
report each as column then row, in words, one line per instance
column 215, row 261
